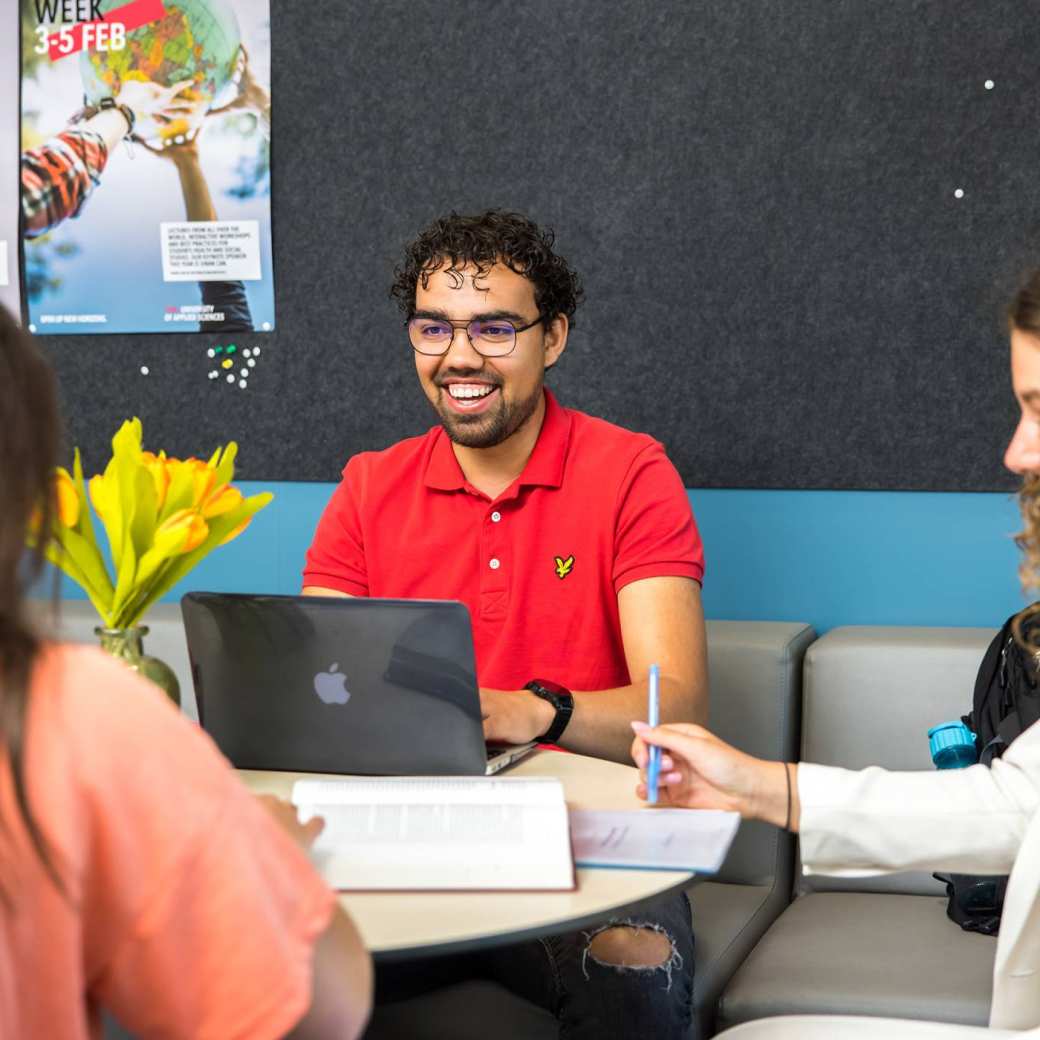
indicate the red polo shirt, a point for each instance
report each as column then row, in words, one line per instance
column 539, row 568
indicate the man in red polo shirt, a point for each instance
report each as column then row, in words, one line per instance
column 571, row 541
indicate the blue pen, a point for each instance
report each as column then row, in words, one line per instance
column 653, row 712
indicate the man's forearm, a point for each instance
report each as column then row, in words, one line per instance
column 600, row 725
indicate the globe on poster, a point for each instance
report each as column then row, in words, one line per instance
column 197, row 40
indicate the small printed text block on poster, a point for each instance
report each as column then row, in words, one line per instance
column 211, row 250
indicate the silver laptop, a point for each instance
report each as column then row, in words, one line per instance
column 327, row 685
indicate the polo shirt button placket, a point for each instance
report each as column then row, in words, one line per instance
column 495, row 581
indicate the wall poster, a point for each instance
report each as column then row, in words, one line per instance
column 145, row 165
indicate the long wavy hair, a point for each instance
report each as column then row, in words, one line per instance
column 30, row 446
column 1024, row 315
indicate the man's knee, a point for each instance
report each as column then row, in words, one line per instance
column 632, row 946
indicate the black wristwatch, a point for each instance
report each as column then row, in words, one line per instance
column 561, row 699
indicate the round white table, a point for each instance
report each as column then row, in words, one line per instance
column 401, row 925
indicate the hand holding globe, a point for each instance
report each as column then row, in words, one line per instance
column 194, row 47
column 152, row 103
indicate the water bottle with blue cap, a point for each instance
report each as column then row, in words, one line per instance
column 952, row 746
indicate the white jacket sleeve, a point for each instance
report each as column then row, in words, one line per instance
column 878, row 822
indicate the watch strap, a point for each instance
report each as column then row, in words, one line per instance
column 561, row 699
column 88, row 111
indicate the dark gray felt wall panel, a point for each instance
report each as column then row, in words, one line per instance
column 781, row 284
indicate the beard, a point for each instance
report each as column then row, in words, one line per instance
column 491, row 427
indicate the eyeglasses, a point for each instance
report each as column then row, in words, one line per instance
column 489, row 337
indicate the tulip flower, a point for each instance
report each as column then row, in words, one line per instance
column 238, row 530
column 97, row 495
column 185, row 528
column 66, row 497
column 156, row 466
column 221, row 500
column 161, row 516
column 203, row 479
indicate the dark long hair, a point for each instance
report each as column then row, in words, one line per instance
column 30, row 445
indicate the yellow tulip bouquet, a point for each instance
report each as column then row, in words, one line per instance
column 160, row 515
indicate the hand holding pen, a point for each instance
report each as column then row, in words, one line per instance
column 698, row 771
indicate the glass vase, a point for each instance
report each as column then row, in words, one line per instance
column 126, row 644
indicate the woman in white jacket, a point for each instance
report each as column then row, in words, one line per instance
column 978, row 820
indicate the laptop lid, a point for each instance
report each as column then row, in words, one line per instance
column 321, row 684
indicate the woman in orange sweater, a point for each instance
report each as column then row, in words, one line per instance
column 136, row 874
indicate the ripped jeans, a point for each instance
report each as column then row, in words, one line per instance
column 589, row 998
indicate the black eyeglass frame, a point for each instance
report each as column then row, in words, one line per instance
column 458, row 323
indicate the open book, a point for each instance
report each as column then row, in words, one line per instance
column 440, row 832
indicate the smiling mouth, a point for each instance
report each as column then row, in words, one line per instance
column 466, row 397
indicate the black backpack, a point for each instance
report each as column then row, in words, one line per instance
column 1006, row 702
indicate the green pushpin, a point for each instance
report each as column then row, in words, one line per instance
column 232, row 349
column 218, row 350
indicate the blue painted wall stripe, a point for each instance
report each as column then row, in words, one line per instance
column 825, row 557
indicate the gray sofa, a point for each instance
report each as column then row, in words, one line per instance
column 881, row 945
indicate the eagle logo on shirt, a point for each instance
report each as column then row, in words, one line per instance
column 563, row 567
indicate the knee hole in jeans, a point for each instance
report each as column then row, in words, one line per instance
column 631, row 946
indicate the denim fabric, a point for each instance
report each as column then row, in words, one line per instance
column 558, row 973
column 593, row 999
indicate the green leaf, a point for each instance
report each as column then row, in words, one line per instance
column 54, row 553
column 126, row 448
column 112, row 516
column 125, row 582
column 86, row 518
column 89, row 560
column 226, row 466
column 144, row 594
column 220, row 527
column 127, row 439
column 142, row 526
column 181, row 492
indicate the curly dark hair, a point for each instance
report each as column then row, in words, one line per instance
column 494, row 236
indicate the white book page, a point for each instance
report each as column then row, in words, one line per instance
column 471, row 790
column 655, row 839
column 440, row 833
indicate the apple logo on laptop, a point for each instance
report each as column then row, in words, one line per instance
column 331, row 686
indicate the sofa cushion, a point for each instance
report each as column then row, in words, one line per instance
column 727, row 922
column 869, row 697
column 756, row 677
column 865, row 953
